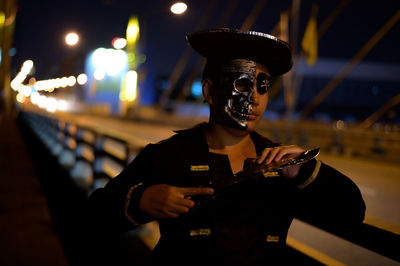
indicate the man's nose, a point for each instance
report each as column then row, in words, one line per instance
column 254, row 96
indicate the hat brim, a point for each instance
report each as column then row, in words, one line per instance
column 225, row 43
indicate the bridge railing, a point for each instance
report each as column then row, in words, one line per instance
column 94, row 158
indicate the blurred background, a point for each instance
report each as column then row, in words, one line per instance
column 91, row 82
column 349, row 45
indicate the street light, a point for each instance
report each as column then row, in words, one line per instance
column 71, row 39
column 178, row 8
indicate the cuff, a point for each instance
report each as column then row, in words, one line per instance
column 132, row 201
column 308, row 173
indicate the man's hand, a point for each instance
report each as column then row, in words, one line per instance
column 278, row 153
column 166, row 201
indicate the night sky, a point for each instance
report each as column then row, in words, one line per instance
column 41, row 25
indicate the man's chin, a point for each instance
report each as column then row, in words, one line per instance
column 245, row 126
column 251, row 125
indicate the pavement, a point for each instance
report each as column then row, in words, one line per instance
column 27, row 229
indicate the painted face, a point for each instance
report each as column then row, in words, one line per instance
column 237, row 86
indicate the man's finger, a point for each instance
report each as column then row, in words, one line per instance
column 264, row 155
column 186, row 203
column 291, row 151
column 271, row 156
column 193, row 191
column 178, row 209
column 168, row 214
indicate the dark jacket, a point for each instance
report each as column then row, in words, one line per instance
column 244, row 224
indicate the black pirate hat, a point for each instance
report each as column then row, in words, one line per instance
column 226, row 43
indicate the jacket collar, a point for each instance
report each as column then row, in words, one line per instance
column 197, row 133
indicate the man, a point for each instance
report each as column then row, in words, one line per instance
column 210, row 210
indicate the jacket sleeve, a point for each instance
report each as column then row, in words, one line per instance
column 116, row 206
column 328, row 199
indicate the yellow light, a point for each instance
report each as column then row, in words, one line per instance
column 178, row 8
column 20, row 98
column 82, row 79
column 2, row 18
column 71, row 81
column 132, row 31
column 71, row 38
column 129, row 90
column 26, row 68
column 64, row 82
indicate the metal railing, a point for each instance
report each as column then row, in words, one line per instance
column 93, row 158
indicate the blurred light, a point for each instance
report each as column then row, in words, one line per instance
column 82, row 79
column 51, row 105
column 340, row 124
column 15, row 85
column 71, row 38
column 20, row 98
column 197, row 89
column 64, row 82
column 129, row 91
column 71, row 81
column 118, row 61
column 2, row 18
column 132, row 31
column 51, row 84
column 99, row 74
column 178, row 8
column 26, row 90
column 42, row 101
column 62, row 105
column 110, row 61
column 99, row 57
column 26, row 68
column 119, row 43
column 35, row 97
column 12, row 52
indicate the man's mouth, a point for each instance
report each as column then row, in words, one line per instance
column 240, row 115
column 253, row 116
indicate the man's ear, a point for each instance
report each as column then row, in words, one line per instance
column 207, row 87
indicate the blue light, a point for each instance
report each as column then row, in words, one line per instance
column 197, row 88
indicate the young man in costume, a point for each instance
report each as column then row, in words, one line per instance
column 195, row 184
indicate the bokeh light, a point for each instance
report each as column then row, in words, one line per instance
column 178, row 8
column 71, row 39
column 82, row 79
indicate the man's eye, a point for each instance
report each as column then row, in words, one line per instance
column 243, row 85
column 263, row 83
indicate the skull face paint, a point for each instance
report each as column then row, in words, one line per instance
column 237, row 81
